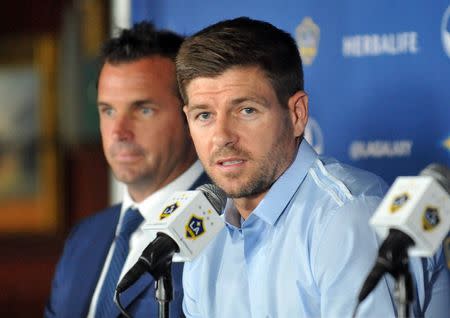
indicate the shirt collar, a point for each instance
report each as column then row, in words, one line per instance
column 153, row 203
column 281, row 192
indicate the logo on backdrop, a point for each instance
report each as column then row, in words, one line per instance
column 314, row 136
column 445, row 31
column 307, row 35
column 362, row 45
column 446, row 143
column 377, row 149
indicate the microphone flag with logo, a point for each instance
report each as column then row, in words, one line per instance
column 188, row 221
column 413, row 219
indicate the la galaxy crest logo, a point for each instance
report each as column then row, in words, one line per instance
column 307, row 35
column 168, row 210
column 430, row 218
column 398, row 202
column 195, row 227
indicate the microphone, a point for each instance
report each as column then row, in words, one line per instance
column 186, row 224
column 413, row 218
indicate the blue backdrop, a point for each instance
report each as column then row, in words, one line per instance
column 377, row 72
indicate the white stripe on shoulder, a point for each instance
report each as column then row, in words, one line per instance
column 325, row 187
column 335, row 180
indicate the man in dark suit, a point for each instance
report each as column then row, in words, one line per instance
column 147, row 144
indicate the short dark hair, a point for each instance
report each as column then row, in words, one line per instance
column 142, row 40
column 242, row 42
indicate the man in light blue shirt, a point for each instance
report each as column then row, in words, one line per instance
column 297, row 241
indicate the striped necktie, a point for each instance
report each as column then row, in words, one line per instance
column 105, row 303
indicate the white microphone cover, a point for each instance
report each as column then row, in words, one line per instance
column 418, row 206
column 191, row 219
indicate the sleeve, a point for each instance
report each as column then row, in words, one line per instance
column 344, row 251
column 52, row 303
column 190, row 308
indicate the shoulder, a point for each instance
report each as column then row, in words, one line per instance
column 331, row 186
column 106, row 215
column 100, row 221
column 336, row 198
column 343, row 182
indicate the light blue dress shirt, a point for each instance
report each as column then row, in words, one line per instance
column 304, row 252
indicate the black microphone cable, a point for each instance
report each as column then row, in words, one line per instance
column 119, row 304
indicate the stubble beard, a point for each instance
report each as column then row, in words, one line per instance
column 262, row 176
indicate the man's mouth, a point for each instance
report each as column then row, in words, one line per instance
column 230, row 162
column 127, row 155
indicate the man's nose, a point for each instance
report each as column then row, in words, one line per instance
column 225, row 133
column 123, row 127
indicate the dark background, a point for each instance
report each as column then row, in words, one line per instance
column 27, row 260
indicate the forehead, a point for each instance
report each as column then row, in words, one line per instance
column 246, row 81
column 151, row 71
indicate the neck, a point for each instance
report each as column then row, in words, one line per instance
column 246, row 205
column 139, row 194
column 141, row 190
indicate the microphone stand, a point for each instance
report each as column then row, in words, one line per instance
column 164, row 292
column 159, row 263
column 396, row 263
column 403, row 286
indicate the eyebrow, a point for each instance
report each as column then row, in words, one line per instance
column 237, row 101
column 135, row 103
column 100, row 104
column 196, row 106
column 259, row 100
column 141, row 102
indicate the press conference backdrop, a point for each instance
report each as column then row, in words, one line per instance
column 377, row 72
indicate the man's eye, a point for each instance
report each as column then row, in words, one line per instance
column 248, row 110
column 107, row 111
column 204, row 116
column 146, row 111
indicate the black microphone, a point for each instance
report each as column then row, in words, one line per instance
column 392, row 256
column 155, row 259
column 157, row 256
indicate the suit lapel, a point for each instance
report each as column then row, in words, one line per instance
column 91, row 263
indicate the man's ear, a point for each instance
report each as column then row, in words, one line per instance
column 185, row 110
column 298, row 111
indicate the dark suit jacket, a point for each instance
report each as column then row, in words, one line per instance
column 81, row 264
